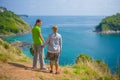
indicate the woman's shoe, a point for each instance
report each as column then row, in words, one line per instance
column 51, row 71
column 57, row 73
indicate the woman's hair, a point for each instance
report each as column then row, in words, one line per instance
column 55, row 28
column 38, row 20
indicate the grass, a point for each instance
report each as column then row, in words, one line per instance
column 64, row 78
column 3, row 58
column 10, row 53
column 85, row 68
column 4, row 77
column 84, row 71
column 89, row 69
column 66, row 71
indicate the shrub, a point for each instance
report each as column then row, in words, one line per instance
column 3, row 58
column 83, row 58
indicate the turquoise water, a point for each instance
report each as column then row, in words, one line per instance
column 77, row 38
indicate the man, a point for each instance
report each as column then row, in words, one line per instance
column 54, row 43
column 38, row 49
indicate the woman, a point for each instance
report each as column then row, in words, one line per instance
column 54, row 43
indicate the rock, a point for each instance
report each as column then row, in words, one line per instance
column 2, row 36
column 109, row 32
column 7, row 35
column 20, row 44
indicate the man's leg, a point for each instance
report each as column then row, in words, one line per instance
column 41, row 57
column 35, row 57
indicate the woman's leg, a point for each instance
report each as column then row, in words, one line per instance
column 51, row 66
column 57, row 62
column 56, row 66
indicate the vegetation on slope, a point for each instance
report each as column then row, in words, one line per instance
column 110, row 23
column 85, row 67
column 11, row 23
column 10, row 53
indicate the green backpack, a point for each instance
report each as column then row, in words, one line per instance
column 32, row 50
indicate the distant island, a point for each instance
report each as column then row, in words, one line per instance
column 109, row 25
column 23, row 15
column 11, row 23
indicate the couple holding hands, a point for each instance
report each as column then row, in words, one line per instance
column 54, row 43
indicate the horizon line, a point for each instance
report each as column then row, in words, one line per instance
column 66, row 15
column 63, row 15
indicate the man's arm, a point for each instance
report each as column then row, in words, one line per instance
column 47, row 41
column 41, row 37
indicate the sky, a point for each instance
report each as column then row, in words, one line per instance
column 63, row 7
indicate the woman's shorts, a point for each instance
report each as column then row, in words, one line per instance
column 52, row 56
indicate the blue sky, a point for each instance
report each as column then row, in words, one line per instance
column 63, row 7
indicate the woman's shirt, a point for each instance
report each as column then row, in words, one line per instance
column 54, row 42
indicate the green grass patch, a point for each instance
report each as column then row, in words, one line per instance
column 4, row 77
column 3, row 58
column 11, row 53
column 11, row 23
column 64, row 78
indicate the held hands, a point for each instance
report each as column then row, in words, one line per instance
column 43, row 45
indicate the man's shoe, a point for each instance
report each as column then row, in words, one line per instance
column 35, row 69
column 44, row 69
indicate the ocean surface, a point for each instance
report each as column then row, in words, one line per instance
column 78, row 38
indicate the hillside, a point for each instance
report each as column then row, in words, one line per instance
column 10, row 23
column 16, row 66
column 110, row 24
column 11, row 53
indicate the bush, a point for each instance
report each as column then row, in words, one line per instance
column 83, row 58
column 6, row 46
column 109, row 23
column 3, row 58
column 12, row 23
column 10, row 53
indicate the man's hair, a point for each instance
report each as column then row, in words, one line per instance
column 38, row 20
column 55, row 27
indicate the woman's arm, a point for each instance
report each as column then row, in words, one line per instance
column 60, row 41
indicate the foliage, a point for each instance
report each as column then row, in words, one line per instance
column 109, row 23
column 83, row 58
column 12, row 23
column 10, row 53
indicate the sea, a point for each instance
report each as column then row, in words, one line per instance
column 78, row 38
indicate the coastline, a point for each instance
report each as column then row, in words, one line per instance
column 13, row 34
column 108, row 32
